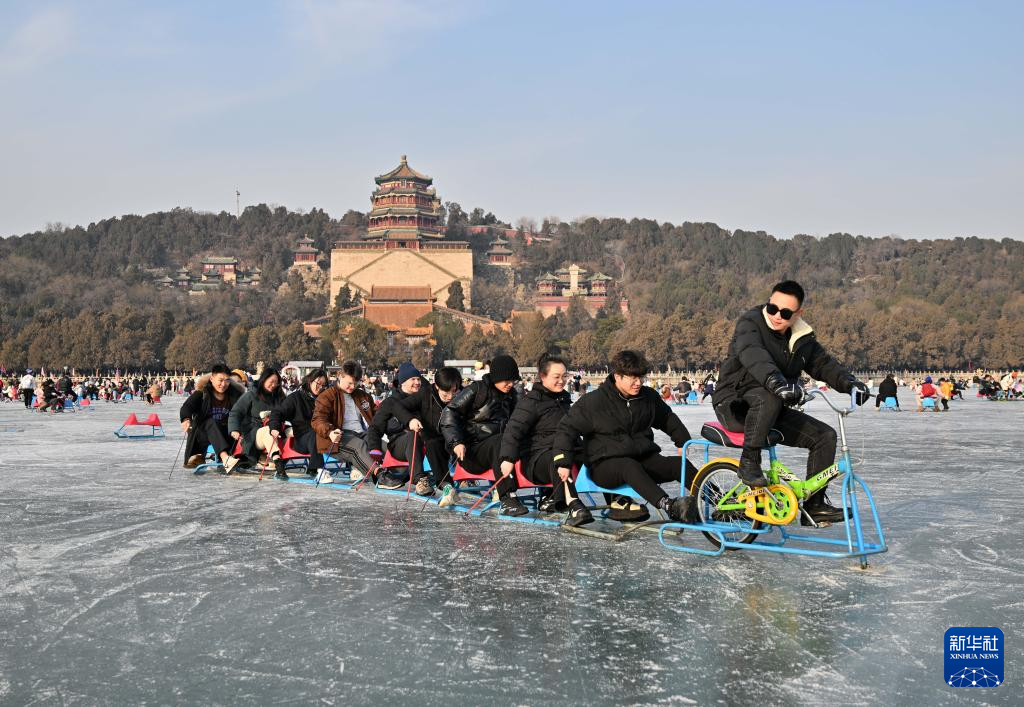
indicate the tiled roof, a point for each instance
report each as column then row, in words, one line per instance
column 403, row 170
column 400, row 293
column 395, row 314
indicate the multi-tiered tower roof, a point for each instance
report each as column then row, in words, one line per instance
column 405, row 206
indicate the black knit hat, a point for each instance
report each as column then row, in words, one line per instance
column 504, row 368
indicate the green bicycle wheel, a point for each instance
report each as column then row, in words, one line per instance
column 710, row 485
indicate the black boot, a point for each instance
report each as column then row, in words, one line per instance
column 750, row 468
column 821, row 511
column 512, row 506
column 279, row 472
column 682, row 509
column 578, row 514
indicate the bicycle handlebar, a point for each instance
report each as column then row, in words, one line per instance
column 811, row 394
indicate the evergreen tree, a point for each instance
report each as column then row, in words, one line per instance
column 456, row 297
column 343, row 300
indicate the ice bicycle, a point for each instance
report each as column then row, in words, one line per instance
column 736, row 517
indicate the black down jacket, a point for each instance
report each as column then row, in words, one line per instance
column 390, row 419
column 756, row 352
column 297, row 409
column 613, row 425
column 477, row 412
column 531, row 429
column 426, row 406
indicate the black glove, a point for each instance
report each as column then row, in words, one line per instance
column 790, row 393
column 863, row 394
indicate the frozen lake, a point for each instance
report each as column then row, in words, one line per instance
column 121, row 587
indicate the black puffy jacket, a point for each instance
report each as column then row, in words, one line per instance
column 297, row 409
column 477, row 412
column 426, row 406
column 613, row 425
column 531, row 429
column 390, row 419
column 757, row 351
column 887, row 388
column 198, row 407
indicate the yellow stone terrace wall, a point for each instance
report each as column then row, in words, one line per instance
column 362, row 269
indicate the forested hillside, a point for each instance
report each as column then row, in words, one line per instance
column 86, row 296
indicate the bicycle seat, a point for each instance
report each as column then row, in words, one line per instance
column 714, row 432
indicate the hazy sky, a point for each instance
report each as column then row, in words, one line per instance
column 792, row 117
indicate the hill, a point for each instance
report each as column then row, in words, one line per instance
column 85, row 296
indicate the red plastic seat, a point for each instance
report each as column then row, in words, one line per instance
column 153, row 420
column 391, row 463
column 462, row 474
column 524, row 483
column 288, row 451
column 132, row 420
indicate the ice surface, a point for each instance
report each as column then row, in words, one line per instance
column 119, row 586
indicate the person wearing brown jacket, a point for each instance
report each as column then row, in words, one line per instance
column 341, row 417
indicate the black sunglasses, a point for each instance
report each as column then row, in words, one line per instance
column 773, row 309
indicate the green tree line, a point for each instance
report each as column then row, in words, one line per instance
column 85, row 296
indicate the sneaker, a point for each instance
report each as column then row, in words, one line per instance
column 194, row 461
column 512, row 506
column 549, row 505
column 578, row 515
column 823, row 512
column 424, row 487
column 355, row 475
column 325, row 477
column 750, row 473
column 390, row 482
column 281, row 475
column 230, row 464
column 448, row 496
column 624, row 509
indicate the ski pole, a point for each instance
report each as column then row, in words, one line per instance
column 175, row 462
column 412, row 465
column 486, row 494
column 369, row 472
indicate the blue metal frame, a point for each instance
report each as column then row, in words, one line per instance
column 854, row 545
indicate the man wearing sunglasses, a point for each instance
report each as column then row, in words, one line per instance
column 759, row 385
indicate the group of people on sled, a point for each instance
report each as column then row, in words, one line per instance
column 487, row 425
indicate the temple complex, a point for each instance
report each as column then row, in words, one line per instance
column 404, row 244
column 556, row 290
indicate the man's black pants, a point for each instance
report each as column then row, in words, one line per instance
column 759, row 411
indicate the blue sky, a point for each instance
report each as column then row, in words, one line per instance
column 792, row 117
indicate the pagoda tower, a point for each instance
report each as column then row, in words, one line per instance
column 404, row 245
column 405, row 206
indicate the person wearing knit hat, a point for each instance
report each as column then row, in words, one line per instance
column 405, row 372
column 473, row 422
column 397, row 423
column 504, row 368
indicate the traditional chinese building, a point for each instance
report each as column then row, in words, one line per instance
column 215, row 271
column 500, row 254
column 555, row 291
column 403, row 245
column 305, row 254
column 220, row 268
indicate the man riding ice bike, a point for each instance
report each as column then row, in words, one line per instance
column 758, row 388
